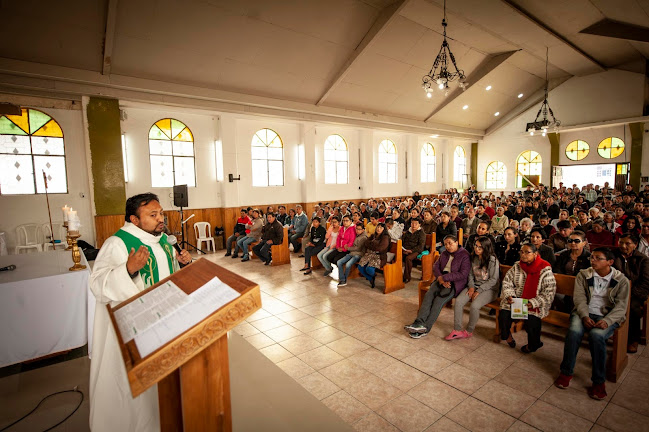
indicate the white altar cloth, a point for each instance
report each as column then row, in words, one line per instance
column 44, row 307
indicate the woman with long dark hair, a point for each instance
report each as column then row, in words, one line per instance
column 481, row 289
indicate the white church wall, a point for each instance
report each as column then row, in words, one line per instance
column 136, row 129
column 22, row 209
column 610, row 95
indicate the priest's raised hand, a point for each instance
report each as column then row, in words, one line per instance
column 137, row 259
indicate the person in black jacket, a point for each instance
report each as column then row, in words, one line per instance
column 271, row 234
column 316, row 243
column 413, row 243
column 508, row 249
column 537, row 238
column 635, row 267
column 575, row 258
column 444, row 228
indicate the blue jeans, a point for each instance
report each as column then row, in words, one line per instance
column 596, row 342
column 242, row 244
column 348, row 261
column 292, row 238
column 322, row 256
column 367, row 271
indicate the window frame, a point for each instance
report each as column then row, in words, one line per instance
column 33, row 155
column 172, row 155
column 497, row 170
column 529, row 162
column 335, row 160
column 267, row 145
column 426, row 158
column 459, row 161
column 610, row 149
column 585, row 150
column 384, row 150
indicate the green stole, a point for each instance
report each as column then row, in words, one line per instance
column 149, row 272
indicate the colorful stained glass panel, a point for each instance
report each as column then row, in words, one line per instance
column 22, row 121
column 9, row 127
column 37, row 119
column 165, row 127
column 50, row 129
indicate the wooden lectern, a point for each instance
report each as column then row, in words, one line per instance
column 192, row 370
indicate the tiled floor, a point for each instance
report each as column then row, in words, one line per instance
column 348, row 348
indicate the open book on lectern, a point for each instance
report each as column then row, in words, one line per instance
column 164, row 326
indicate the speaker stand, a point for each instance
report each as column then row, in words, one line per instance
column 185, row 242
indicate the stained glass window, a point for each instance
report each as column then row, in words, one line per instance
column 387, row 162
column 267, row 159
column 528, row 165
column 171, row 151
column 610, row 148
column 577, row 150
column 336, row 157
column 31, row 143
column 427, row 163
column 459, row 164
column 496, row 176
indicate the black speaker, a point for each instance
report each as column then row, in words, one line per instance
column 180, row 196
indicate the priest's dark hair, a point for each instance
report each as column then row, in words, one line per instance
column 137, row 201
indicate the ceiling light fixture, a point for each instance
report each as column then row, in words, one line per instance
column 497, row 113
column 488, row 88
column 465, row 107
column 544, row 124
column 520, row 95
column 434, row 136
column 439, row 74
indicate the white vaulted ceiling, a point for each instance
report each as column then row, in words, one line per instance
column 314, row 51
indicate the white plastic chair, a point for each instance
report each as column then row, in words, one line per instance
column 203, row 233
column 58, row 227
column 28, row 237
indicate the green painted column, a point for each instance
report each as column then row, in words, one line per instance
column 637, row 131
column 105, row 136
column 555, row 150
column 474, row 164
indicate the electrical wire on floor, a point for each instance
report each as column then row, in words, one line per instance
column 74, row 390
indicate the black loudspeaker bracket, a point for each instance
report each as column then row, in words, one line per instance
column 232, row 178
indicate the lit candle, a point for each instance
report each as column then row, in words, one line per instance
column 72, row 215
column 65, row 210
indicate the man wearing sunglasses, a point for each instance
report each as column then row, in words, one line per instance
column 570, row 262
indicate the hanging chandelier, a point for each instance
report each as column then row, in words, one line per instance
column 545, row 124
column 439, row 74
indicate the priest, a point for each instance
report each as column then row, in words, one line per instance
column 136, row 257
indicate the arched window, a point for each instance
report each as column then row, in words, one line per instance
column 577, row 150
column 31, row 143
column 459, row 164
column 267, row 159
column 496, row 176
column 387, row 162
column 610, row 148
column 427, row 163
column 336, row 157
column 171, row 149
column 528, row 169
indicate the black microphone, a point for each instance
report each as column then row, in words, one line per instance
column 171, row 239
column 8, row 268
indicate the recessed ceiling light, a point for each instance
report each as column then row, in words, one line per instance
column 465, row 107
column 497, row 113
column 488, row 88
column 434, row 136
column 520, row 95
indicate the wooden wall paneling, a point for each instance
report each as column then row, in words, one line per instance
column 106, row 226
